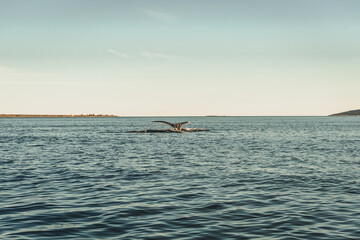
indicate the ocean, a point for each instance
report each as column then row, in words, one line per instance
column 247, row 178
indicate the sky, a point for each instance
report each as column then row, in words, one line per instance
column 180, row 57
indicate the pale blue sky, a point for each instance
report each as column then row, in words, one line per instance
column 144, row 57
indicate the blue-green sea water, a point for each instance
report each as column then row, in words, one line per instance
column 248, row 178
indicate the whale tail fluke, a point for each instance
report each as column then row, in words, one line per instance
column 176, row 126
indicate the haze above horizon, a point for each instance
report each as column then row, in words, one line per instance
column 179, row 58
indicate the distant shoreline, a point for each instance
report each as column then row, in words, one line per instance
column 347, row 113
column 115, row 116
column 53, row 116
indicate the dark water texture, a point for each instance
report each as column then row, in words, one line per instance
column 248, row 178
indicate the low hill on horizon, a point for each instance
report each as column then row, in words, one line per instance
column 348, row 113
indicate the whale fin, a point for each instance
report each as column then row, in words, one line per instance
column 176, row 126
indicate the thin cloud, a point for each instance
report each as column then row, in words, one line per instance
column 162, row 16
column 143, row 54
column 44, row 82
column 117, row 53
column 148, row 54
column 7, row 70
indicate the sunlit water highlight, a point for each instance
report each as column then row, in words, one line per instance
column 248, row 178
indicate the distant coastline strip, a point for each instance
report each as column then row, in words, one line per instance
column 52, row 116
column 348, row 113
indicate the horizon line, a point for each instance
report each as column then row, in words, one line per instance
column 130, row 116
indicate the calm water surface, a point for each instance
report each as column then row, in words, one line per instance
column 248, row 178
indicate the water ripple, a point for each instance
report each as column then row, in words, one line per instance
column 249, row 178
